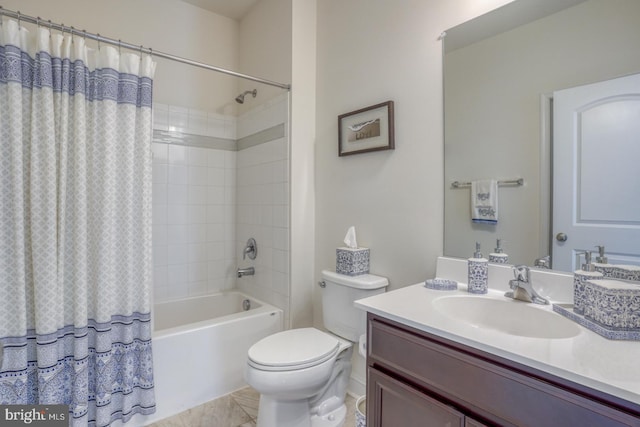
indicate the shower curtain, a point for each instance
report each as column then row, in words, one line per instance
column 75, row 226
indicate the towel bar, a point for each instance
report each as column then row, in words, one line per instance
column 518, row 182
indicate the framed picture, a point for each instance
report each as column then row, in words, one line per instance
column 365, row 130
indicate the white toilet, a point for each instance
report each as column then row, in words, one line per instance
column 302, row 374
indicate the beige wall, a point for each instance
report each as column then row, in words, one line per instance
column 166, row 25
column 265, row 46
column 303, row 131
column 370, row 51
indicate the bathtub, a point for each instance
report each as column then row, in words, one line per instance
column 200, row 347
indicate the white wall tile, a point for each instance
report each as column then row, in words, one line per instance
column 215, row 176
column 215, row 251
column 159, row 194
column 160, row 236
column 177, row 194
column 160, row 116
column 177, row 275
column 178, row 174
column 216, row 158
column 160, row 255
column 160, row 173
column 177, row 254
column 177, row 154
column 178, row 119
column 160, row 276
column 197, row 156
column 177, row 214
column 215, row 126
column 197, row 233
column 177, row 233
column 160, row 153
column 215, row 195
column 198, row 272
column 198, row 175
column 197, row 122
column 159, row 213
column 197, row 194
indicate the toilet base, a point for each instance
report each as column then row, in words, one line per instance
column 272, row 413
column 334, row 418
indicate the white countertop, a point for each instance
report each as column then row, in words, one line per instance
column 588, row 359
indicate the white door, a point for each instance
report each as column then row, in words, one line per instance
column 596, row 171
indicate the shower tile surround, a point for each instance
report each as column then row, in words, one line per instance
column 218, row 180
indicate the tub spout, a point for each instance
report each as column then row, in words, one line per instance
column 249, row 271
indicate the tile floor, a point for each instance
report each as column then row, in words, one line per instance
column 238, row 409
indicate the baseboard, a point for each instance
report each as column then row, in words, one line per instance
column 356, row 387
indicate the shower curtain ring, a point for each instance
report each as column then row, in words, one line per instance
column 19, row 19
column 98, row 34
column 119, row 47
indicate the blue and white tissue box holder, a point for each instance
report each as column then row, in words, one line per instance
column 352, row 261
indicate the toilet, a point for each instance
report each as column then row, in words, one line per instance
column 302, row 374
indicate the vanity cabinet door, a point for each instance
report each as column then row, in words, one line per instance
column 392, row 403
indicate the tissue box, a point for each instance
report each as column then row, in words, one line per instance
column 613, row 304
column 352, row 262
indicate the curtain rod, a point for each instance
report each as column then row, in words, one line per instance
column 97, row 37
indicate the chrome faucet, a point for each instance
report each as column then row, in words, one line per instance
column 521, row 286
column 543, row 262
column 249, row 271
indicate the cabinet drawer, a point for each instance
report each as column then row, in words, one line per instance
column 480, row 386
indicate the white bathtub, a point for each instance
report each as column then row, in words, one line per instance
column 200, row 347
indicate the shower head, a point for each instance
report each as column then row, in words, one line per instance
column 240, row 98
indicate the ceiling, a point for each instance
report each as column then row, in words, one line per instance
column 234, row 9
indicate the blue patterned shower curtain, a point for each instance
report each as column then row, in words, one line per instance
column 75, row 226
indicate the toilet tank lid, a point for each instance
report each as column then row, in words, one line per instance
column 362, row 281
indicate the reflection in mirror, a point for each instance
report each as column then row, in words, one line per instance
column 500, row 73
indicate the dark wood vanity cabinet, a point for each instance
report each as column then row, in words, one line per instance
column 418, row 379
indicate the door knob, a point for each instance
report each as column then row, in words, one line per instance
column 561, row 237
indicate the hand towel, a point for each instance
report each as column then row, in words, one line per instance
column 484, row 201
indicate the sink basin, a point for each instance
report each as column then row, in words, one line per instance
column 506, row 316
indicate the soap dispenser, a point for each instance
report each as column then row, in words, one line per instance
column 498, row 256
column 602, row 264
column 587, row 272
column 478, row 268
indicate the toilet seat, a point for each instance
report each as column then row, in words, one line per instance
column 293, row 349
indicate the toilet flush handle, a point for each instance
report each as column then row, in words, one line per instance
column 322, row 284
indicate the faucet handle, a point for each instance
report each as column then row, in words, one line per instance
column 521, row 273
column 250, row 249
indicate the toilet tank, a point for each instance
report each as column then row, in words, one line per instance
column 339, row 314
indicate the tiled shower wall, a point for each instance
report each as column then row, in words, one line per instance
column 208, row 201
column 193, row 220
column 263, row 213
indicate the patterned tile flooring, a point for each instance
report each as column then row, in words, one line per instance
column 238, row 409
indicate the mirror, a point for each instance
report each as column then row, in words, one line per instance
column 500, row 72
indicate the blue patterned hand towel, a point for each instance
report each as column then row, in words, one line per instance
column 484, row 201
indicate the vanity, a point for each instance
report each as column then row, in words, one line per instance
column 433, row 359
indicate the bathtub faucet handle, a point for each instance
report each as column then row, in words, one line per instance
column 251, row 249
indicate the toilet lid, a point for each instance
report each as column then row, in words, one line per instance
column 293, row 349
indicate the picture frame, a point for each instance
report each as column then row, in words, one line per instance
column 365, row 130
